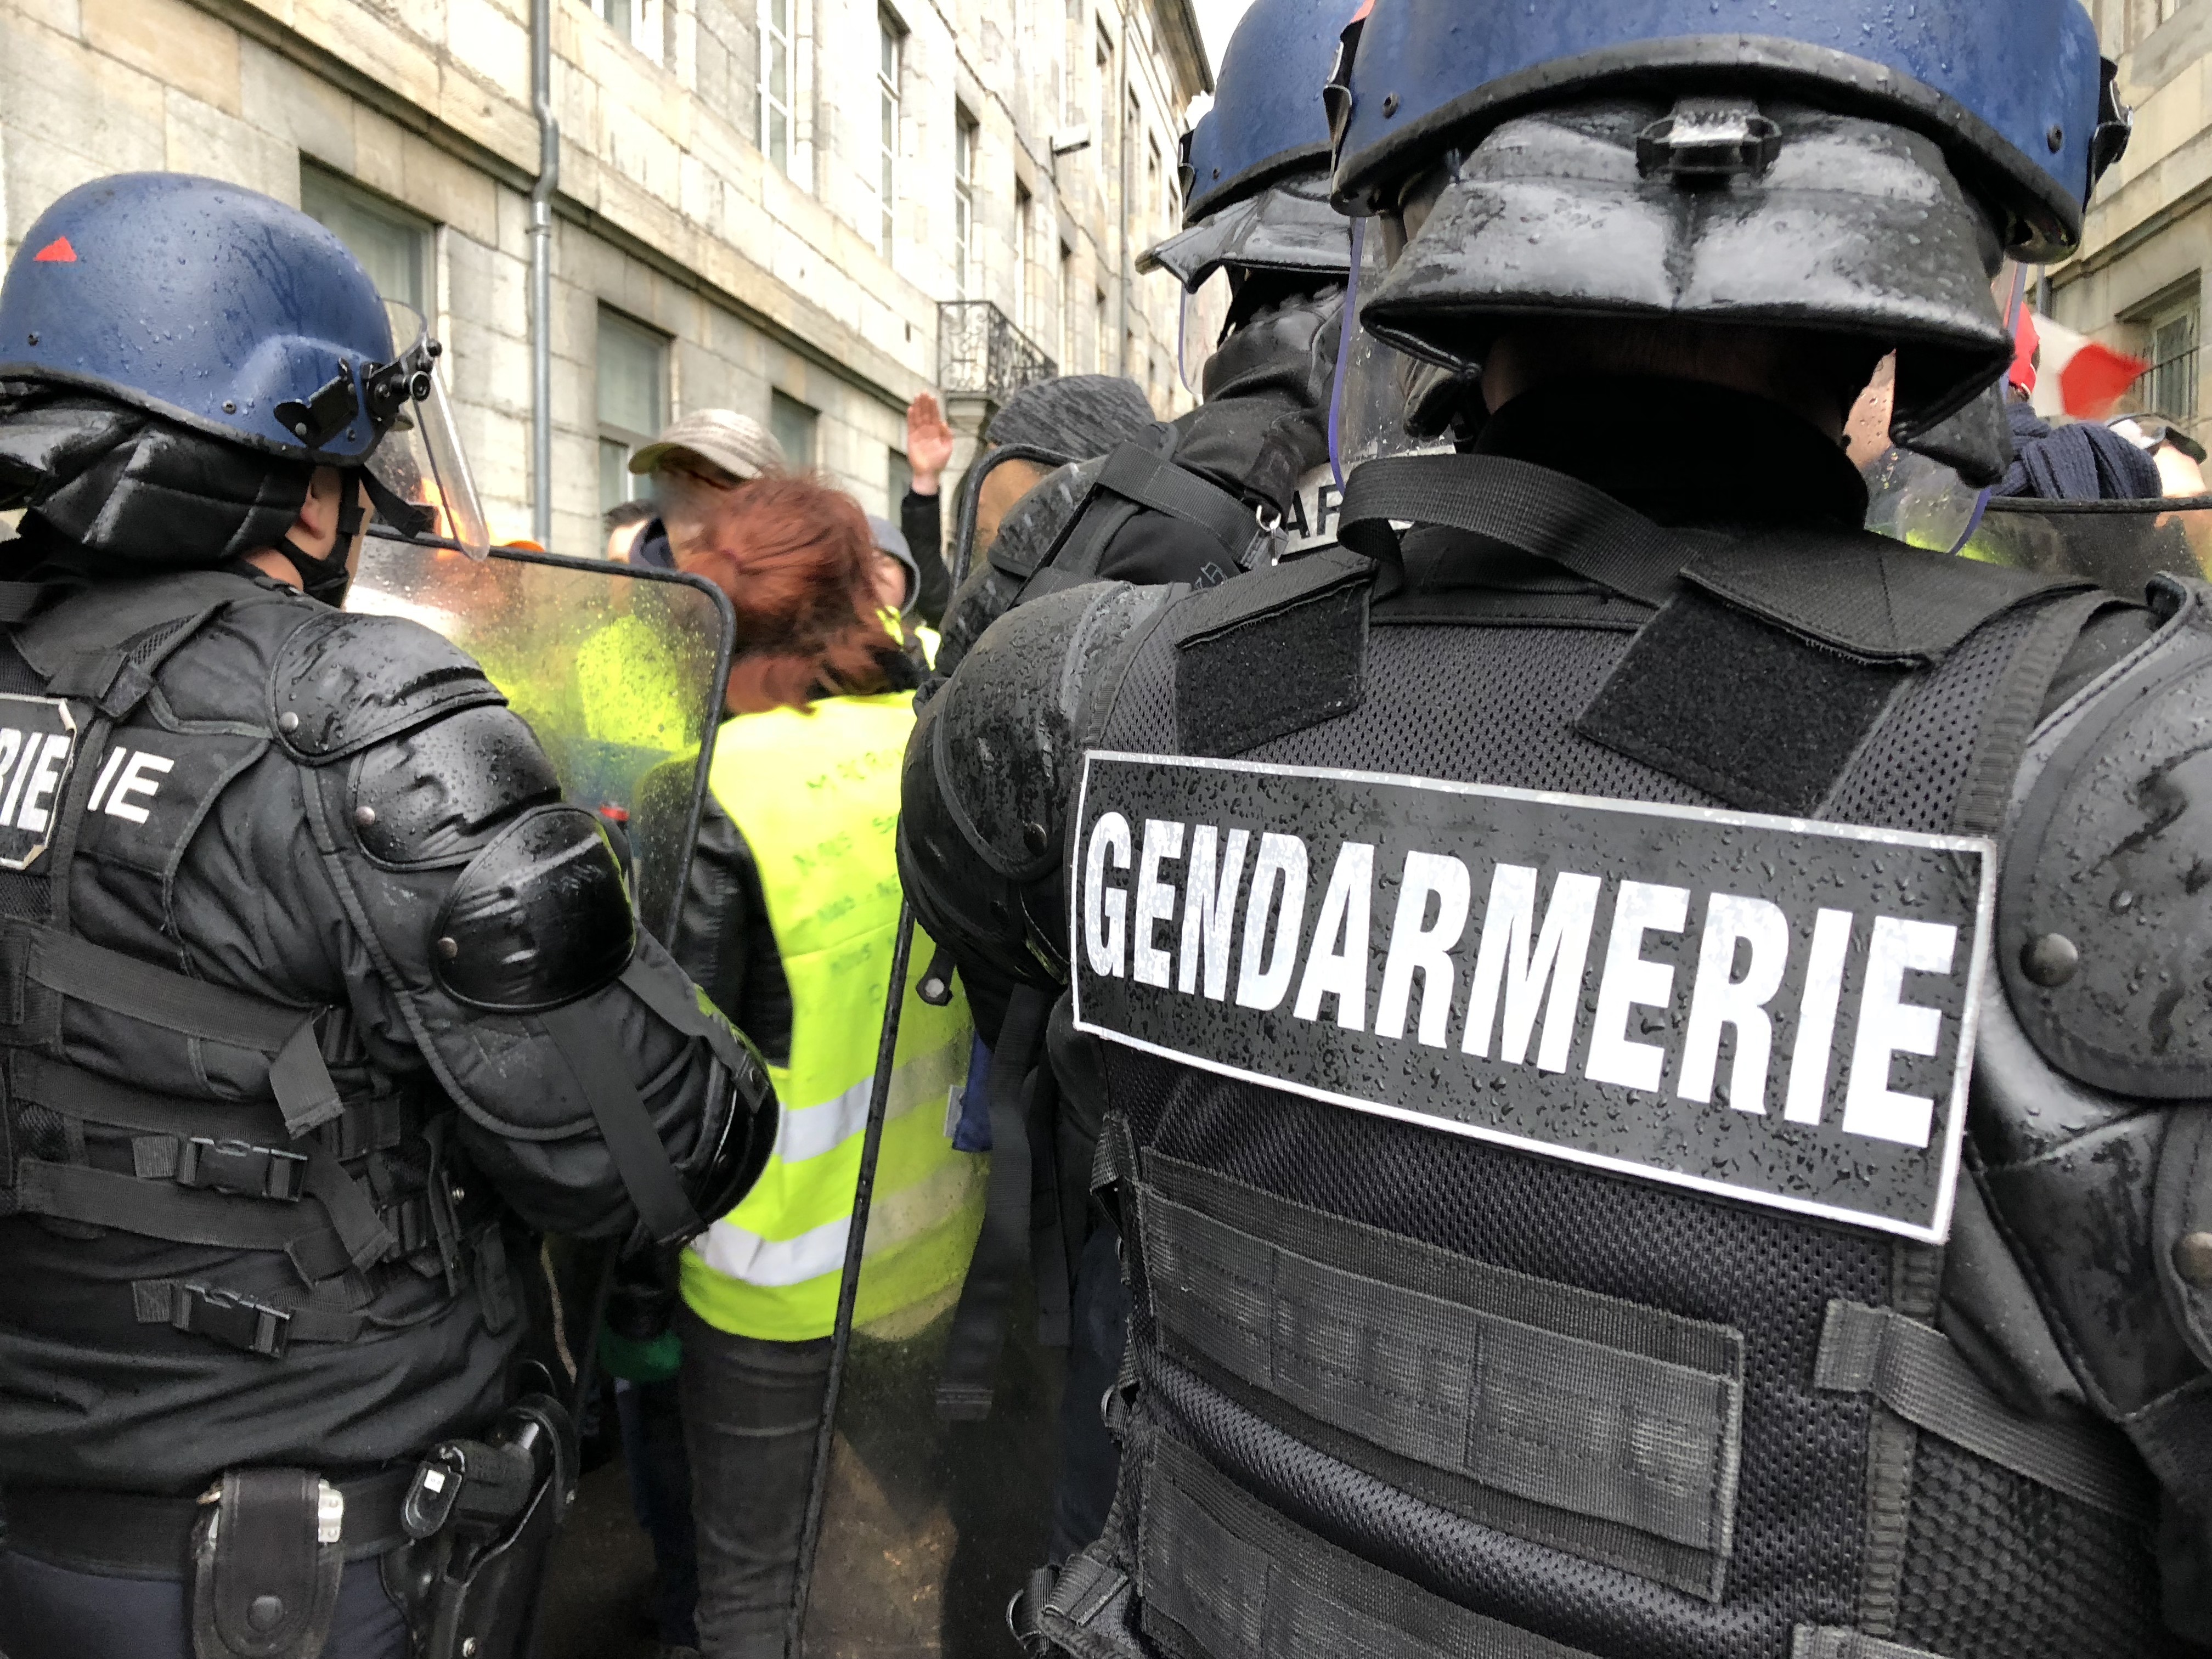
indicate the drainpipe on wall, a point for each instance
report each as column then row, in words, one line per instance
column 541, row 273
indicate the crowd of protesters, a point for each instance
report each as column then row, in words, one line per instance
column 788, row 921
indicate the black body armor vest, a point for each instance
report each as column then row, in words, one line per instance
column 1401, row 1392
column 219, row 1196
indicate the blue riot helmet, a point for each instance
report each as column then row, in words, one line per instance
column 1855, row 169
column 145, row 313
column 1254, row 173
column 1267, row 118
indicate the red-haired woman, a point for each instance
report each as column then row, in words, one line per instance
column 788, row 923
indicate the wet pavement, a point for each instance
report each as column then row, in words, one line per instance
column 602, row 1569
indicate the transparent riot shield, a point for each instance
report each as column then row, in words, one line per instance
column 619, row 669
column 621, row 672
column 920, row 1530
column 966, row 554
column 2119, row 545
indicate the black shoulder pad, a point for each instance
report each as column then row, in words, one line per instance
column 2105, row 902
column 538, row 919
column 1272, row 654
column 434, row 795
column 1817, row 584
column 344, row 682
column 1034, row 523
column 1005, row 736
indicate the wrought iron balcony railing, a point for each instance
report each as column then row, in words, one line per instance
column 979, row 351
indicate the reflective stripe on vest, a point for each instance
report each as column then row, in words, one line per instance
column 815, row 796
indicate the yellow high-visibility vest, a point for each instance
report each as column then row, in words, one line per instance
column 816, row 795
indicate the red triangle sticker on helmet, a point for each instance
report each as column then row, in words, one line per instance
column 55, row 253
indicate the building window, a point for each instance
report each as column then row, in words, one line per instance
column 777, row 138
column 793, row 425
column 1024, row 231
column 1071, row 105
column 1105, row 67
column 2170, row 386
column 899, row 480
column 637, row 21
column 963, row 199
column 392, row 245
column 633, row 399
column 1155, row 197
column 890, row 59
column 1064, row 299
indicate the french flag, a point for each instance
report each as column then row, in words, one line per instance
column 2076, row 377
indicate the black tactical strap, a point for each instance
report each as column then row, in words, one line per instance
column 1138, row 475
column 1602, row 1428
column 1823, row 1642
column 2009, row 717
column 130, row 1534
column 87, row 1096
column 346, row 1201
column 678, row 1002
column 241, row 1321
column 317, row 1248
column 232, row 1164
column 1913, row 1370
column 1239, row 1581
column 230, row 1155
column 969, row 1379
column 138, row 990
column 1530, row 509
column 19, row 601
column 625, row 1125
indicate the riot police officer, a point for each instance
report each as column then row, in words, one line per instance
column 1261, row 260
column 1654, row 1089
column 319, row 999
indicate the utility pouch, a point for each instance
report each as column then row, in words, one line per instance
column 267, row 1554
column 481, row 1518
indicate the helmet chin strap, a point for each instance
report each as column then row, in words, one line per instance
column 327, row 578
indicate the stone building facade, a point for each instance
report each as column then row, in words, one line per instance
column 2138, row 282
column 762, row 204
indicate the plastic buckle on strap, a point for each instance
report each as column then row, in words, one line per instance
column 255, row 1327
column 1267, row 546
column 241, row 1169
column 1708, row 141
column 409, row 1221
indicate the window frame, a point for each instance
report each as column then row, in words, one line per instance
column 1063, row 298
column 773, row 40
column 353, row 197
column 967, row 140
column 783, row 409
column 2170, row 386
column 891, row 36
column 1024, row 236
column 641, row 31
column 615, row 433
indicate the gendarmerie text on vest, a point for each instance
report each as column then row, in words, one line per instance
column 1777, row 1010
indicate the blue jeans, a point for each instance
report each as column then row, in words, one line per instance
column 660, row 1493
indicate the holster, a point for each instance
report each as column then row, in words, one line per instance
column 267, row 1554
column 481, row 1518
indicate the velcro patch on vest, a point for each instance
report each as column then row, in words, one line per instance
column 38, row 742
column 1760, row 1008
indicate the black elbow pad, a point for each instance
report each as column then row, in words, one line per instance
column 538, row 919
